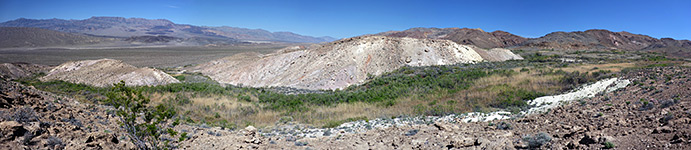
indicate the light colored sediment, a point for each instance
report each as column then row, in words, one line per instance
column 603, row 86
column 341, row 63
column 106, row 72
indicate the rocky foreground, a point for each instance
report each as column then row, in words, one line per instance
column 34, row 119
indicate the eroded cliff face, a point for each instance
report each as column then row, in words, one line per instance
column 105, row 72
column 338, row 64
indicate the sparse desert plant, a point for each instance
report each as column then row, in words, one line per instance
column 537, row 140
column 609, row 145
column 244, row 98
column 668, row 103
column 298, row 143
column 646, row 106
column 24, row 114
column 504, row 126
column 55, row 143
column 524, row 70
column 144, row 125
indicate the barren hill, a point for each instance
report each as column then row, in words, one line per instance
column 105, row 72
column 607, row 40
column 595, row 39
column 465, row 36
column 37, row 37
column 338, row 64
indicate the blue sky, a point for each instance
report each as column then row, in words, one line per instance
column 347, row 18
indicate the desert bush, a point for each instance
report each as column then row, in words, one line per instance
column 244, row 98
column 609, row 145
column 144, row 125
column 504, row 126
column 298, row 143
column 73, row 121
column 82, row 92
column 538, row 57
column 180, row 77
column 54, row 143
column 646, row 106
column 411, row 132
column 668, row 103
column 24, row 115
column 667, row 118
column 537, row 140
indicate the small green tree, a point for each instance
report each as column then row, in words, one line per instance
column 144, row 124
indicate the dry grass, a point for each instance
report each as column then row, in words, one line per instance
column 597, row 67
column 320, row 115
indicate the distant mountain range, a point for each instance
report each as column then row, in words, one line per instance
column 128, row 27
column 594, row 39
column 37, row 37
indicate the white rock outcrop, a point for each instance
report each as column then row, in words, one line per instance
column 106, row 72
column 336, row 65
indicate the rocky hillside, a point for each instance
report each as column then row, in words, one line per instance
column 128, row 27
column 20, row 70
column 464, row 36
column 37, row 37
column 105, row 72
column 579, row 40
column 34, row 119
column 608, row 40
column 341, row 63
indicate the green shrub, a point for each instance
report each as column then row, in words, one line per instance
column 537, row 140
column 609, row 145
column 131, row 106
column 244, row 98
column 504, row 126
column 180, row 77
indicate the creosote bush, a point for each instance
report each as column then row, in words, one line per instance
column 145, row 125
column 537, row 140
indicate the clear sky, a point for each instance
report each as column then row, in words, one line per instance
column 347, row 18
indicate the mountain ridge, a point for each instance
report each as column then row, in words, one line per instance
column 127, row 27
column 592, row 39
column 37, row 37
